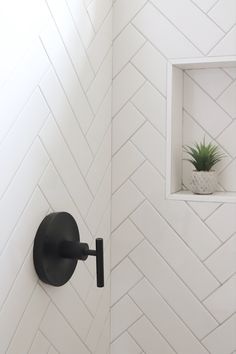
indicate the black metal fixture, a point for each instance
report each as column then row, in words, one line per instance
column 57, row 249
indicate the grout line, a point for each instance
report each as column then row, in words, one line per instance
column 52, row 161
column 146, row 198
column 219, row 287
column 98, row 150
column 129, row 21
column 97, row 73
column 22, row 316
column 26, row 204
column 218, row 248
column 84, row 303
column 128, row 177
column 148, row 319
column 193, row 210
column 221, row 324
column 10, row 181
column 202, row 89
column 44, row 313
column 18, row 116
column 170, row 308
column 67, row 53
column 127, row 328
column 78, row 33
column 65, row 319
column 211, row 136
column 232, row 77
column 130, row 59
column 73, row 114
column 131, row 135
column 179, row 276
column 215, row 3
column 131, row 250
column 151, row 43
column 177, row 29
column 225, row 89
column 204, row 219
column 51, row 345
column 127, row 217
column 39, row 331
column 207, row 14
column 106, row 171
column 151, row 123
column 101, row 106
column 126, row 293
column 61, row 84
column 147, row 80
column 114, row 114
column 218, row 42
column 23, row 107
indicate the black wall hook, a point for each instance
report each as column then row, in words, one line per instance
column 57, row 249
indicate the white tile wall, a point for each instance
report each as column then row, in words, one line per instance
column 55, row 154
column 173, row 263
column 178, row 259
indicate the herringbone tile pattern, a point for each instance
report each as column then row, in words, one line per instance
column 173, row 263
column 213, row 92
column 55, row 143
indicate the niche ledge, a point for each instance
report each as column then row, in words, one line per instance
column 175, row 86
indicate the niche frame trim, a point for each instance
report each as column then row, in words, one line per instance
column 175, row 71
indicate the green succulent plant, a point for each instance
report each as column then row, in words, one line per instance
column 204, row 156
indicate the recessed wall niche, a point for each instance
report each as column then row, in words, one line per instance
column 201, row 101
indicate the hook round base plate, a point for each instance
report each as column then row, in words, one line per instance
column 50, row 266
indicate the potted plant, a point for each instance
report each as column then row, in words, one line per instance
column 204, row 157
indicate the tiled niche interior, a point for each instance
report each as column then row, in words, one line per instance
column 201, row 103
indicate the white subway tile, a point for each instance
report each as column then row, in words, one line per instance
column 204, row 109
column 152, row 65
column 165, row 320
column 224, row 14
column 124, row 344
column 148, row 337
column 60, row 334
column 101, row 83
column 29, row 324
column 194, row 232
column 124, row 163
column 125, row 46
column 125, row 123
column 123, row 278
column 222, row 302
column 174, row 251
column 173, row 290
column 66, row 74
column 124, row 201
column 152, row 105
column 123, row 240
column 222, row 340
column 124, row 313
column 192, row 22
column 125, row 85
column 123, row 14
column 222, row 263
column 65, row 165
column 66, row 120
column 157, row 28
column 152, row 144
column 72, row 41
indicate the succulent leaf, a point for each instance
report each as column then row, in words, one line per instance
column 203, row 156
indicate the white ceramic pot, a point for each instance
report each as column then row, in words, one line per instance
column 204, row 182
